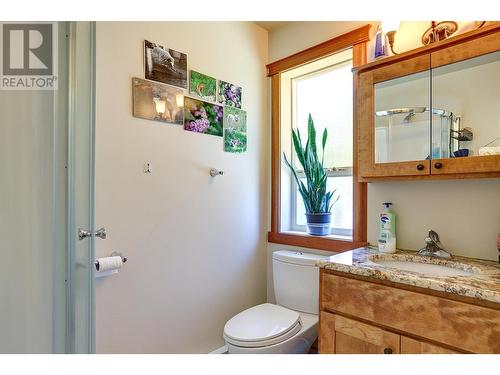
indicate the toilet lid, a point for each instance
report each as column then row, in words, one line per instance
column 262, row 325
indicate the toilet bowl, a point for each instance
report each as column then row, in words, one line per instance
column 270, row 329
column 290, row 325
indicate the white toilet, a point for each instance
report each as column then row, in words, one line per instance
column 290, row 326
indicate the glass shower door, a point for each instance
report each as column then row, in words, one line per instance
column 81, row 185
column 46, row 189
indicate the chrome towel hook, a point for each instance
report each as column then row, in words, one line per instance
column 215, row 172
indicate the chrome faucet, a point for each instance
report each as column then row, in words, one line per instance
column 433, row 247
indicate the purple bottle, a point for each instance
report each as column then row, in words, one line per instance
column 380, row 44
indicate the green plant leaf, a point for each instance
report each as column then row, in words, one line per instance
column 311, row 133
column 323, row 143
column 298, row 146
column 314, row 192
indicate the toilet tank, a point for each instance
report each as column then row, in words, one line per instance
column 296, row 280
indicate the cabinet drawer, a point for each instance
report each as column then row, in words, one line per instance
column 461, row 325
column 340, row 335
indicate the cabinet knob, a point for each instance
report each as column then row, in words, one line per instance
column 387, row 351
column 420, row 167
column 438, row 165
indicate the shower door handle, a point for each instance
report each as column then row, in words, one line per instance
column 82, row 233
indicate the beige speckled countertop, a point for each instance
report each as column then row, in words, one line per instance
column 483, row 282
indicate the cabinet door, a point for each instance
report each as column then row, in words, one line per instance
column 466, row 111
column 412, row 346
column 340, row 335
column 394, row 119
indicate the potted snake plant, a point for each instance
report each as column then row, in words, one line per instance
column 317, row 200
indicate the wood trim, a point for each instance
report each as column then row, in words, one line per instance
column 485, row 30
column 443, row 176
column 326, row 333
column 334, row 45
column 406, row 67
column 314, row 242
column 472, row 164
column 360, row 38
column 275, row 153
column 473, row 48
column 360, row 188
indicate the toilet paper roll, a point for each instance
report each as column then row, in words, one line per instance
column 108, row 263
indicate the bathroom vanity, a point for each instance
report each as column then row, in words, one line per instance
column 432, row 112
column 368, row 304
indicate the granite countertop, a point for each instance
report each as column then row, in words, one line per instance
column 483, row 283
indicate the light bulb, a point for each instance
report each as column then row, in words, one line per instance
column 160, row 105
column 179, row 99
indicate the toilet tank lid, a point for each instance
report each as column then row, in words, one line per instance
column 298, row 257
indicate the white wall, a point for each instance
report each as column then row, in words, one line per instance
column 196, row 245
column 466, row 213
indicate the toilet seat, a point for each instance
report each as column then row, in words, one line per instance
column 262, row 325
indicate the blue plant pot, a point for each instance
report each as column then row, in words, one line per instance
column 319, row 224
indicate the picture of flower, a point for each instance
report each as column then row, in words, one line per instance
column 165, row 65
column 202, row 86
column 203, row 117
column 235, row 130
column 229, row 94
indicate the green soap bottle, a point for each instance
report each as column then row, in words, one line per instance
column 387, row 233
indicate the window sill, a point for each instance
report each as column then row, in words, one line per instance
column 329, row 243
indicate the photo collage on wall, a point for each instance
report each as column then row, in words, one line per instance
column 213, row 106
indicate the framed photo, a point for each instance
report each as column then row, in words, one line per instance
column 157, row 101
column 203, row 86
column 165, row 65
column 203, row 117
column 229, row 94
column 235, row 130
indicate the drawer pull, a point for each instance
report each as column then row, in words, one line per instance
column 387, row 351
column 420, row 167
column 438, row 165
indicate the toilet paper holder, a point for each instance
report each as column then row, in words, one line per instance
column 113, row 254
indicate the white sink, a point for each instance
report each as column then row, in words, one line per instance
column 424, row 268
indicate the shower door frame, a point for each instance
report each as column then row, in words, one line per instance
column 80, row 300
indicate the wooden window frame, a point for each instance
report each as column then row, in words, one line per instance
column 357, row 40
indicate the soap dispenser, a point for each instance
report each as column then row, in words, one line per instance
column 387, row 233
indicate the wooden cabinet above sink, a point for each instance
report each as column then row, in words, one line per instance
column 427, row 113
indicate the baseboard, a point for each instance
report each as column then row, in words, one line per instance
column 221, row 350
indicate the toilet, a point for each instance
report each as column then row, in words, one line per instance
column 290, row 325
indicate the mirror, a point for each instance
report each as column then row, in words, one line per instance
column 469, row 92
column 402, row 118
column 464, row 120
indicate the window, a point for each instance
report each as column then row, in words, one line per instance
column 318, row 81
column 327, row 95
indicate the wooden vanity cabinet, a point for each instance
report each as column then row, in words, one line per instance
column 425, row 78
column 366, row 317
